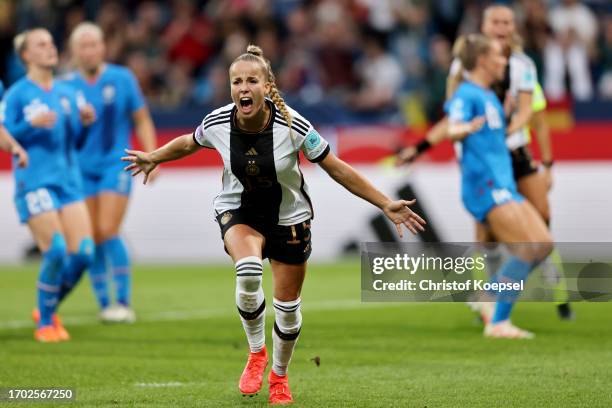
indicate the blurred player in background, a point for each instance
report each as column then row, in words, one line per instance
column 264, row 210
column 119, row 106
column 476, row 117
column 42, row 114
column 517, row 89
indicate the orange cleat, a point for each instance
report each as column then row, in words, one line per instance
column 62, row 333
column 46, row 334
column 279, row 389
column 252, row 376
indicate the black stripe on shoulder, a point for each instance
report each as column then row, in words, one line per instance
column 294, row 122
column 297, row 124
column 220, row 115
column 217, row 122
column 301, row 122
column 299, row 130
column 322, row 156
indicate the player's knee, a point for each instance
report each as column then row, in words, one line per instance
column 287, row 318
column 104, row 231
column 57, row 249
column 249, row 292
column 544, row 210
column 249, row 273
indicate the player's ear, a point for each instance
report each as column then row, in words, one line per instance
column 268, row 87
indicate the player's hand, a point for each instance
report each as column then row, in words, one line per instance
column 22, row 156
column 45, row 120
column 87, row 114
column 140, row 162
column 399, row 213
column 406, row 155
column 548, row 179
column 477, row 123
column 153, row 175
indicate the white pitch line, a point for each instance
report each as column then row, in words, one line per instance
column 179, row 315
column 161, row 385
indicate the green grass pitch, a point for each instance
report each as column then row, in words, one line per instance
column 188, row 348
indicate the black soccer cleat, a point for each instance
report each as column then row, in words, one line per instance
column 565, row 311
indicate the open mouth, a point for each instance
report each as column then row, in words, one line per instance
column 246, row 103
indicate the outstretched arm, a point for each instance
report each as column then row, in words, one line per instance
column 435, row 135
column 142, row 162
column 10, row 145
column 461, row 130
column 397, row 211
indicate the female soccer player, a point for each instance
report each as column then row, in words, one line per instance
column 489, row 193
column 42, row 115
column 264, row 210
column 116, row 98
column 519, row 85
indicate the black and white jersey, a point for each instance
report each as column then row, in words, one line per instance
column 521, row 76
column 261, row 173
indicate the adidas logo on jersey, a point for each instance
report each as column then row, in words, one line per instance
column 251, row 152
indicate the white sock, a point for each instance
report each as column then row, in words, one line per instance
column 287, row 325
column 250, row 300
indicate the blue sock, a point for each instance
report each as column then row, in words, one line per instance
column 513, row 270
column 120, row 262
column 49, row 279
column 76, row 264
column 98, row 277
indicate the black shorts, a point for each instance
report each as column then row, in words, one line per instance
column 522, row 163
column 290, row 244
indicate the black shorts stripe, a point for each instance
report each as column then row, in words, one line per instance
column 219, row 115
column 286, row 336
column 253, row 315
column 218, row 122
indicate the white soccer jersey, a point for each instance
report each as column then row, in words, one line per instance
column 261, row 173
column 521, row 77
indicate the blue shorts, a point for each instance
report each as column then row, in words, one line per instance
column 479, row 202
column 113, row 179
column 44, row 199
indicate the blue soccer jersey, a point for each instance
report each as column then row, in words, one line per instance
column 52, row 179
column 486, row 166
column 115, row 96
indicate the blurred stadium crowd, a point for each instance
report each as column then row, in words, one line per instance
column 360, row 55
